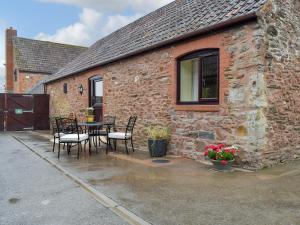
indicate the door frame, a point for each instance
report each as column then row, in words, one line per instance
column 91, row 91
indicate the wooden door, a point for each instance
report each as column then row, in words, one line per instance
column 96, row 96
column 19, row 112
column 41, row 112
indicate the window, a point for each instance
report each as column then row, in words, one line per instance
column 198, row 78
column 65, row 88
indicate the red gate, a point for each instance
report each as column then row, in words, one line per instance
column 25, row 112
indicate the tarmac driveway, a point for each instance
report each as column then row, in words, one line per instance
column 184, row 191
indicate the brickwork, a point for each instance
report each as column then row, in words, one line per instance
column 145, row 85
column 10, row 33
column 26, row 81
column 253, row 114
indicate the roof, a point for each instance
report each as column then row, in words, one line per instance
column 38, row 88
column 171, row 22
column 43, row 56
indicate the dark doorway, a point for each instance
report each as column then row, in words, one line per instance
column 96, row 96
column 24, row 112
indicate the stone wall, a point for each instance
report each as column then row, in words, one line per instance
column 259, row 91
column 145, row 85
column 280, row 22
column 26, row 81
column 239, row 119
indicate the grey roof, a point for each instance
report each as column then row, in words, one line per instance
column 172, row 21
column 38, row 88
column 43, row 56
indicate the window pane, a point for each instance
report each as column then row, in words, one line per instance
column 99, row 88
column 210, row 77
column 99, row 91
column 189, row 81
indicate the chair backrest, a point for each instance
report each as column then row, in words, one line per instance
column 53, row 124
column 67, row 126
column 109, row 120
column 72, row 115
column 131, row 124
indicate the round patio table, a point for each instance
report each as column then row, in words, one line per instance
column 90, row 128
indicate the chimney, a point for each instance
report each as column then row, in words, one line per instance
column 9, row 50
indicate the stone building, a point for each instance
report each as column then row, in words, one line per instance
column 28, row 61
column 213, row 71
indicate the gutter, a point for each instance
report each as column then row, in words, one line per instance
column 225, row 24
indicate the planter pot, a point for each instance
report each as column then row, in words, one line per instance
column 90, row 118
column 218, row 165
column 157, row 148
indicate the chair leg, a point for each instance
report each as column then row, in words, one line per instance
column 107, row 145
column 126, row 147
column 64, row 145
column 84, row 149
column 96, row 145
column 79, row 147
column 115, row 144
column 54, row 144
column 132, row 145
column 58, row 150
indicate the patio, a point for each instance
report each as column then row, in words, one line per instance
column 183, row 191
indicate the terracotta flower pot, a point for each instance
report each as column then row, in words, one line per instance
column 222, row 165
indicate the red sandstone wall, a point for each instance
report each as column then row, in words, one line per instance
column 9, row 51
column 26, row 81
column 145, row 85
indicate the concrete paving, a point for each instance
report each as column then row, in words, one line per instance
column 184, row 191
column 34, row 193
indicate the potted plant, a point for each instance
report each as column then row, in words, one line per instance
column 90, row 115
column 221, row 156
column 158, row 140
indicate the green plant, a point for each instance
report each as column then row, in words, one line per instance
column 89, row 111
column 158, row 132
column 221, row 153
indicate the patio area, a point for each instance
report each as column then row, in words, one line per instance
column 182, row 191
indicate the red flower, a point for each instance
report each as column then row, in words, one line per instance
column 206, row 153
column 224, row 162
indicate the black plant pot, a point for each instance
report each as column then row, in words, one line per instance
column 157, row 148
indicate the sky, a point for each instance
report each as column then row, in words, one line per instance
column 79, row 22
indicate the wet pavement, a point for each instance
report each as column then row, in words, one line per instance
column 184, row 191
column 32, row 192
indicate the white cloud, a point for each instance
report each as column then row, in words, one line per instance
column 117, row 21
column 99, row 18
column 80, row 33
column 90, row 27
column 2, row 53
column 114, row 6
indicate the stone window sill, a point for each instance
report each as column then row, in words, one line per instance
column 198, row 108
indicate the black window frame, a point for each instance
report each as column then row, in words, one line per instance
column 200, row 54
column 92, row 91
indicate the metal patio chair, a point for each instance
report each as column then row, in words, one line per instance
column 54, row 130
column 73, row 134
column 109, row 124
column 125, row 136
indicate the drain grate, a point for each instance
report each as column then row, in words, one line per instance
column 161, row 161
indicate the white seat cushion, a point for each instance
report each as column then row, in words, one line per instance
column 74, row 137
column 119, row 135
column 57, row 135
